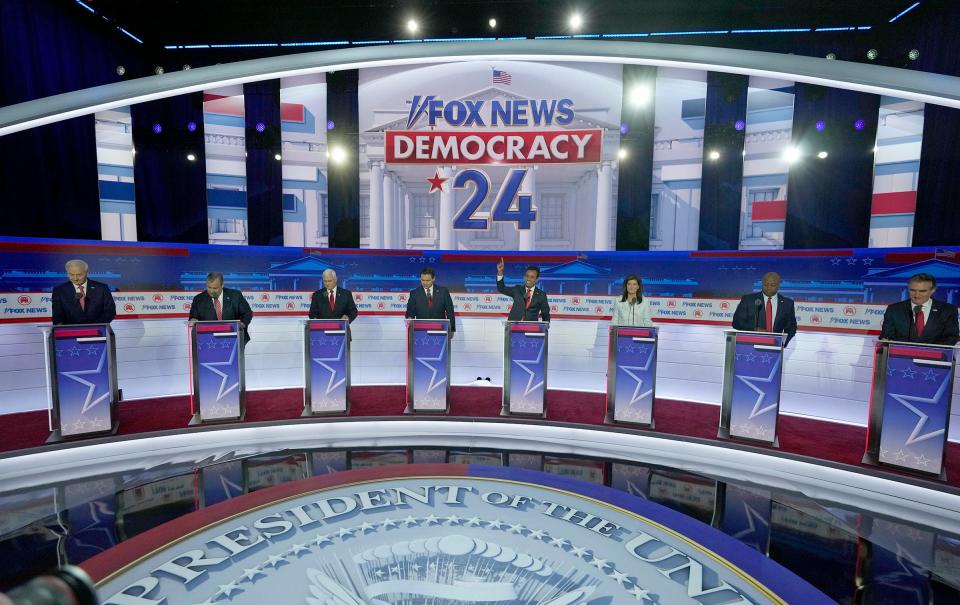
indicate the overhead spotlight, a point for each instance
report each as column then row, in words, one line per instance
column 872, row 54
column 624, row 128
column 121, row 70
column 158, row 70
column 831, row 56
column 622, row 153
column 492, row 23
column 791, row 155
column 823, row 155
column 186, row 67
column 576, row 21
column 157, row 128
column 859, row 125
column 820, row 125
column 739, row 125
column 914, row 54
column 412, row 26
column 277, row 157
column 191, row 157
column 260, row 127
column 331, row 124
column 337, row 154
column 640, row 95
column 191, row 126
column 714, row 155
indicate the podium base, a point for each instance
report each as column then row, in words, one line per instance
column 195, row 420
column 57, row 437
column 609, row 421
column 410, row 409
column 307, row 413
column 724, row 433
column 506, row 412
column 873, row 459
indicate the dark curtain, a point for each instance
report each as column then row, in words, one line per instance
column 829, row 199
column 343, row 180
column 264, row 172
column 722, row 180
column 635, row 171
column 170, row 189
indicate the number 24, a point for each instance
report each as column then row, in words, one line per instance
column 523, row 215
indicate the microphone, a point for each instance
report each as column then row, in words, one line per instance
column 756, row 315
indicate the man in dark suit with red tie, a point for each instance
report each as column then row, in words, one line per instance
column 217, row 303
column 332, row 302
column 767, row 310
column 529, row 302
column 921, row 318
column 81, row 300
column 431, row 301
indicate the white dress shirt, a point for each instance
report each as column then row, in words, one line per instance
column 635, row 314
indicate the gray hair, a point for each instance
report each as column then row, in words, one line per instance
column 214, row 276
column 77, row 263
column 330, row 273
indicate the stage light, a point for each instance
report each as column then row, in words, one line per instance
column 914, row 54
column 624, row 128
column 823, row 155
column 791, row 155
column 872, row 54
column 412, row 26
column 121, row 70
column 186, row 67
column 337, row 154
column 191, row 126
column 331, row 125
column 859, row 125
column 739, row 125
column 191, row 157
column 714, row 155
column 622, row 153
column 575, row 21
column 831, row 56
column 820, row 125
column 640, row 95
column 277, row 157
column 158, row 70
column 492, row 23
column 157, row 128
column 260, row 127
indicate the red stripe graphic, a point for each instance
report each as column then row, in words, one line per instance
column 83, row 333
column 756, row 340
column 918, row 353
column 326, row 326
column 214, row 328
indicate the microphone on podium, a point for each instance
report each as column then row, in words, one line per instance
column 756, row 316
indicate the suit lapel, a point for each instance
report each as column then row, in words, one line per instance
column 776, row 318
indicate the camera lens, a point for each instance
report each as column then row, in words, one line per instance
column 68, row 585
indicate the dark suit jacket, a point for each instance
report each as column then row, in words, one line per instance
column 100, row 308
column 234, row 305
column 750, row 315
column 539, row 309
column 940, row 328
column 442, row 307
column 342, row 305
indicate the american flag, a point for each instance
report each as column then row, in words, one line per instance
column 501, row 77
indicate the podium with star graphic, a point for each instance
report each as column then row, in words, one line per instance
column 631, row 375
column 82, row 381
column 909, row 417
column 525, row 368
column 326, row 367
column 752, row 372
column 428, row 366
column 219, row 388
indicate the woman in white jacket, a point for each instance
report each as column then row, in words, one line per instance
column 632, row 309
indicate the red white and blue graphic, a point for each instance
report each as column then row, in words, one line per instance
column 327, row 376
column 631, row 385
column 916, row 407
column 83, row 389
column 428, row 365
column 525, row 369
column 755, row 397
column 218, row 376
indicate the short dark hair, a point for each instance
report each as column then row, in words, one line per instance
column 428, row 271
column 923, row 277
column 214, row 276
column 639, row 283
column 532, row 268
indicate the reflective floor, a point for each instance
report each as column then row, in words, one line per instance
column 852, row 555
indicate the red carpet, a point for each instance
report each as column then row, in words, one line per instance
column 817, row 439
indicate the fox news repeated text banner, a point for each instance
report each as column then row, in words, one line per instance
column 456, row 534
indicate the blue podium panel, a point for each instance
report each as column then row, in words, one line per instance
column 218, row 380
column 632, row 374
column 910, row 405
column 525, row 368
column 751, row 386
column 326, row 367
column 428, row 365
column 83, row 380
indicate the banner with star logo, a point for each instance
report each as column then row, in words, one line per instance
column 327, row 366
column 218, row 381
column 428, row 365
column 751, row 385
column 632, row 377
column 525, row 367
column 84, row 379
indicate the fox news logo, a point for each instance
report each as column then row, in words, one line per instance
column 508, row 112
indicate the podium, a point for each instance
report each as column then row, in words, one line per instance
column 752, row 372
column 428, row 366
column 219, row 388
column 82, row 381
column 909, row 417
column 631, row 375
column 326, row 367
column 525, row 368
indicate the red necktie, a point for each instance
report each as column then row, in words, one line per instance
column 769, row 315
column 529, row 296
column 920, row 322
column 331, row 300
column 218, row 308
column 83, row 298
column 430, row 297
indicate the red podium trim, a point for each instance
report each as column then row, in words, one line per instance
column 422, row 326
column 757, row 340
column 629, row 332
column 77, row 333
column 919, row 353
column 214, row 328
column 326, row 326
column 523, row 328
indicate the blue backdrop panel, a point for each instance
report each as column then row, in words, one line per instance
column 343, row 184
column 635, row 177
column 937, row 220
column 264, row 175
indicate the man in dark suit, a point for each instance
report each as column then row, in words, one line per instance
column 332, row 302
column 529, row 302
column 431, row 301
column 81, row 300
column 767, row 311
column 218, row 303
column 921, row 318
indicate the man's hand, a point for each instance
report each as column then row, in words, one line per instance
column 500, row 267
column 344, row 317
